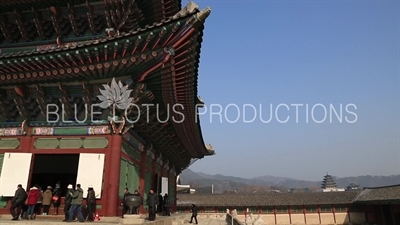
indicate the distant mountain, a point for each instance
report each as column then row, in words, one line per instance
column 224, row 183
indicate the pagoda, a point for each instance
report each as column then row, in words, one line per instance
column 328, row 184
column 99, row 92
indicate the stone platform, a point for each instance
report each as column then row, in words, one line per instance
column 174, row 219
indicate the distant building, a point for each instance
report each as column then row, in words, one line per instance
column 352, row 187
column 328, row 184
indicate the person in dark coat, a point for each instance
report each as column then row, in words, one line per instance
column 18, row 202
column 135, row 209
column 124, row 206
column 194, row 213
column 56, row 198
column 152, row 201
column 161, row 204
column 90, row 203
column 166, row 205
column 67, row 201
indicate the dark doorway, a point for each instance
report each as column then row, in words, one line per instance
column 387, row 214
column 48, row 169
column 156, row 183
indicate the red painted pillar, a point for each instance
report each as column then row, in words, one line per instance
column 112, row 183
column 142, row 179
column 26, row 141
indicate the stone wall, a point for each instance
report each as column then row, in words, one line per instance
column 341, row 218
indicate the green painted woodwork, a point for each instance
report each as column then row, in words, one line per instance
column 135, row 153
column 9, row 143
column 149, row 163
column 158, row 169
column 46, row 143
column 68, row 143
column 70, row 131
column 123, row 179
column 95, row 142
column 133, row 177
column 129, row 177
column 147, row 185
column 99, row 206
column 171, row 190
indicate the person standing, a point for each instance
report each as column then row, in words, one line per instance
column 124, row 206
column 56, row 198
column 47, row 197
column 18, row 202
column 67, row 201
column 194, row 214
column 39, row 204
column 166, row 205
column 76, row 203
column 31, row 202
column 152, row 200
column 91, row 203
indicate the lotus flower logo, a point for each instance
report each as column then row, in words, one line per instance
column 115, row 95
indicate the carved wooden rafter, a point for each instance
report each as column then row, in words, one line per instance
column 21, row 27
column 54, row 19
column 3, row 111
column 4, row 29
column 41, row 100
column 64, row 101
column 72, row 19
column 90, row 17
column 18, row 97
column 38, row 24
column 88, row 92
column 117, row 15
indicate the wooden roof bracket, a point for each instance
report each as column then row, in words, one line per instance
column 4, row 29
column 20, row 25
column 38, row 23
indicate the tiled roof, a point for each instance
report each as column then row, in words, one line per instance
column 270, row 199
column 389, row 193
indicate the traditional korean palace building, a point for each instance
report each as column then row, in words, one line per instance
column 75, row 78
column 380, row 205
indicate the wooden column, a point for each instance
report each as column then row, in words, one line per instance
column 391, row 208
column 290, row 214
column 319, row 213
column 142, row 179
column 304, row 213
column 112, row 181
column 26, row 141
column 153, row 172
column 382, row 215
column 334, row 213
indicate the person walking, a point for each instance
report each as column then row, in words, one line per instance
column 18, row 202
column 90, row 203
column 76, row 203
column 47, row 197
column 31, row 202
column 67, row 201
column 194, row 213
column 152, row 201
column 166, row 205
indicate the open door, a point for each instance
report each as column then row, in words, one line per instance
column 15, row 170
column 90, row 172
column 164, row 186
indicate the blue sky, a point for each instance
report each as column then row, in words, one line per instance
column 301, row 52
